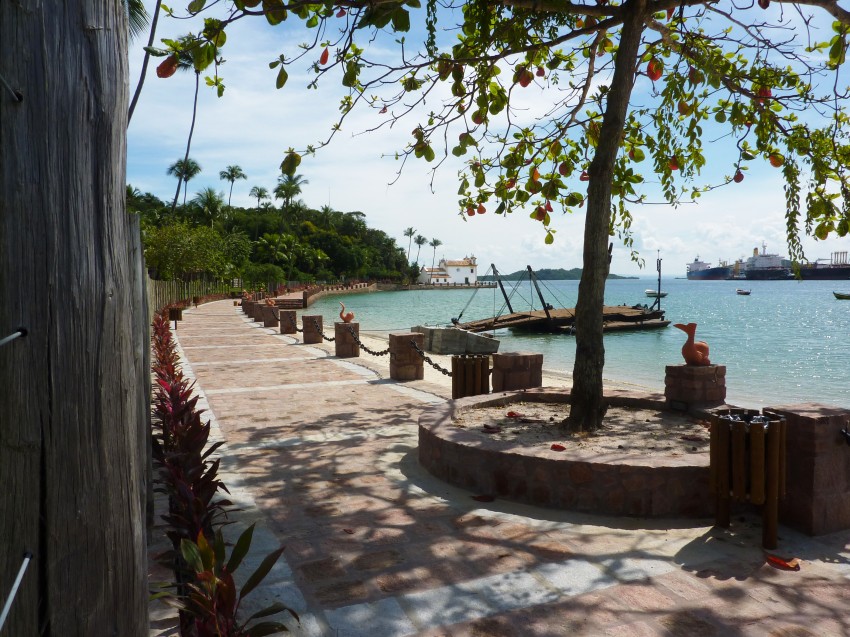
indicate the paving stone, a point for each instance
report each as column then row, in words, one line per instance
column 384, row 618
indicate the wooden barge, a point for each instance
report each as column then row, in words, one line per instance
column 615, row 318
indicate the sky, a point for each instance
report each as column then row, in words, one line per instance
column 254, row 124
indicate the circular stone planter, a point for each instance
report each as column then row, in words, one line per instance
column 609, row 484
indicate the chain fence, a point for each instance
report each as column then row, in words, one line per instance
column 291, row 320
column 329, row 339
column 365, row 348
column 426, row 358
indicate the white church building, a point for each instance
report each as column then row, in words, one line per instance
column 460, row 272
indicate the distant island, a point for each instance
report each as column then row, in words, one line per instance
column 548, row 274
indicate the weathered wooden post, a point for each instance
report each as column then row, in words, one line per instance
column 346, row 337
column 405, row 362
column 312, row 328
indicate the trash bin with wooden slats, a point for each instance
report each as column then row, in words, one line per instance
column 747, row 464
column 470, row 375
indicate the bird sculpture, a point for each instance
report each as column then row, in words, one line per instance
column 347, row 317
column 694, row 352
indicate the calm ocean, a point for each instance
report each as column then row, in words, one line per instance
column 787, row 342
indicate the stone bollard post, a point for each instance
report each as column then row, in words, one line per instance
column 312, row 332
column 405, row 362
column 246, row 306
column 346, row 342
column 818, row 468
column 287, row 322
column 269, row 317
column 517, row 370
column 686, row 386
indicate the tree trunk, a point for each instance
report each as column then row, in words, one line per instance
column 145, row 61
column 587, row 404
column 72, row 443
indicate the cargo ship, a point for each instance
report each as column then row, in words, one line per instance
column 771, row 267
column 702, row 271
column 767, row 267
column 837, row 268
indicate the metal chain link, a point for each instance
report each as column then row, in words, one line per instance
column 319, row 330
column 436, row 366
column 364, row 347
column 293, row 323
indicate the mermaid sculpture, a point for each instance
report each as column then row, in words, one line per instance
column 347, row 317
column 694, row 352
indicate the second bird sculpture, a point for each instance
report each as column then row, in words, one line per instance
column 347, row 317
column 694, row 352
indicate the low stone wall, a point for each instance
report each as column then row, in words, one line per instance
column 610, row 485
column 311, row 295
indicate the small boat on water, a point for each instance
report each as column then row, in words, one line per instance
column 842, row 296
column 655, row 294
column 743, row 292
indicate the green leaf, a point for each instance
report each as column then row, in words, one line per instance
column 196, row 6
column 157, row 53
column 836, row 51
column 192, row 555
column 636, row 154
column 277, row 607
column 266, row 628
column 282, row 76
column 261, row 572
column 275, row 11
column 401, row 20
column 550, row 239
column 206, row 552
column 219, row 548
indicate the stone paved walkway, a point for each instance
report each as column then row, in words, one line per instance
column 321, row 452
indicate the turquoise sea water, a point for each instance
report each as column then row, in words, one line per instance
column 787, row 342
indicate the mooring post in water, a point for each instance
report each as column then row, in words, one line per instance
column 658, row 296
column 539, row 293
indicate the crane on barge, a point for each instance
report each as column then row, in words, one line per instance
column 562, row 320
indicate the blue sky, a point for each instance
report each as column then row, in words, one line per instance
column 254, row 124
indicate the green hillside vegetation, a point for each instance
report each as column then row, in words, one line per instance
column 549, row 274
column 207, row 239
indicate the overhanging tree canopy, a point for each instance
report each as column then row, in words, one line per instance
column 633, row 91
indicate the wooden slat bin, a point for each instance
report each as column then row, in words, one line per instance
column 470, row 375
column 747, row 464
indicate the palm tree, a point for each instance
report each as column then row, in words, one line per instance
column 434, row 243
column 210, row 202
column 184, row 169
column 260, row 193
column 409, row 234
column 185, row 62
column 419, row 241
column 288, row 188
column 231, row 174
column 138, row 19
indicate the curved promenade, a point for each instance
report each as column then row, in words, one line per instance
column 321, row 453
